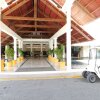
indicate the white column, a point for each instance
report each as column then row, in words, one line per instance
column 51, row 44
column 15, row 49
column 55, row 46
column 64, row 53
column 22, row 45
column 19, row 46
column 41, row 49
column 31, row 47
column 5, row 54
column 68, row 49
column 68, row 38
column 0, row 40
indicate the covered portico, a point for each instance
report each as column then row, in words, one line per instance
column 30, row 22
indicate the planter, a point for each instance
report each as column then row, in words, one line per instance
column 55, row 60
column 9, row 64
column 49, row 57
column 18, row 60
column 14, row 62
column 21, row 58
column 52, row 59
column 62, row 65
column 2, row 65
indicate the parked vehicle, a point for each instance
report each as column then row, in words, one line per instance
column 92, row 72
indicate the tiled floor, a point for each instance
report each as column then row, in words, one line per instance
column 36, row 64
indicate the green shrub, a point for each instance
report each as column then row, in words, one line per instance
column 9, row 52
column 21, row 52
column 59, row 52
column 50, row 52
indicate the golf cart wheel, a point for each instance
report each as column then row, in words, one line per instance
column 91, row 77
column 85, row 73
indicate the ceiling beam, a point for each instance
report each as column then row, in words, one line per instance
column 36, row 40
column 28, row 12
column 80, row 32
column 95, row 10
column 38, row 36
column 89, row 3
column 33, row 19
column 37, row 31
column 35, row 13
column 4, row 28
column 35, row 8
column 47, row 16
column 15, row 7
column 53, row 8
column 84, row 9
column 74, row 39
column 59, row 32
column 37, row 26
column 2, row 40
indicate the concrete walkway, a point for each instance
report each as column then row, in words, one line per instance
column 36, row 64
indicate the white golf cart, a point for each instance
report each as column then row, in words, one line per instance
column 93, row 69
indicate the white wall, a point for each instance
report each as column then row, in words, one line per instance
column 84, row 51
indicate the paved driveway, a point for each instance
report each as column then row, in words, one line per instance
column 36, row 64
column 53, row 89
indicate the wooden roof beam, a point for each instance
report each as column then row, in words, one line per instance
column 89, row 3
column 37, row 31
column 95, row 10
column 75, row 39
column 84, row 9
column 5, row 39
column 4, row 28
column 15, row 7
column 35, row 13
column 53, row 9
column 33, row 19
column 80, row 31
column 35, row 8
column 37, row 26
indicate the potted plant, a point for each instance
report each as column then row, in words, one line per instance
column 59, row 52
column 50, row 52
column 21, row 53
column 9, row 52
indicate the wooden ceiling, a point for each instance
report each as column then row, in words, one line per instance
column 83, row 11
column 41, row 19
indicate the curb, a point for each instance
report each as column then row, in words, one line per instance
column 39, row 78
